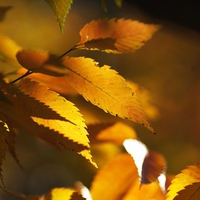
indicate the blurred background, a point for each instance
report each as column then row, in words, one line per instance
column 168, row 66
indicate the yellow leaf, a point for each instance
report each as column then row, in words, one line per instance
column 115, row 36
column 66, row 120
column 187, row 177
column 114, row 179
column 62, row 194
column 104, row 88
column 61, row 9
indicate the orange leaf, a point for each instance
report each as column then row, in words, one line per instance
column 191, row 192
column 115, row 36
column 187, row 177
column 113, row 180
column 57, row 84
column 41, row 61
column 104, row 88
column 115, row 133
column 62, row 117
column 148, row 192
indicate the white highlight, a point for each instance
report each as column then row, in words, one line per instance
column 83, row 190
column 138, row 151
column 162, row 182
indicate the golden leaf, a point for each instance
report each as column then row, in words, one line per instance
column 187, row 177
column 104, row 88
column 63, row 117
column 115, row 36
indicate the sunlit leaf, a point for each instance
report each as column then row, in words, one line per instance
column 61, row 9
column 115, row 133
column 187, row 177
column 62, row 117
column 8, row 48
column 114, row 179
column 104, row 88
column 115, row 36
column 191, row 192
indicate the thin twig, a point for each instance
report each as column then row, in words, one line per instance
column 24, row 75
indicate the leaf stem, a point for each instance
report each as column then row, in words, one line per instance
column 73, row 48
column 24, row 75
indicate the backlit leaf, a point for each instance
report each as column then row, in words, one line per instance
column 115, row 36
column 61, row 9
column 187, row 177
column 114, row 179
column 191, row 192
column 104, row 88
column 63, row 117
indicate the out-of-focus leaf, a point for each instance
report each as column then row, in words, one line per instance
column 57, row 84
column 115, row 36
column 187, row 177
column 118, row 3
column 61, row 9
column 3, row 11
column 8, row 48
column 145, row 192
column 41, row 61
column 153, row 166
column 115, row 133
column 146, row 99
column 62, row 194
column 114, row 179
column 104, row 88
column 62, row 117
column 103, row 5
column 191, row 192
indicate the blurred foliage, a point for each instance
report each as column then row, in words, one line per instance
column 168, row 66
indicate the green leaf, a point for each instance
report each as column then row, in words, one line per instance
column 61, row 9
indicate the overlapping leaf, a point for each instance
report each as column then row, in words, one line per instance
column 104, row 88
column 115, row 36
column 63, row 117
column 185, row 183
column 61, row 9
